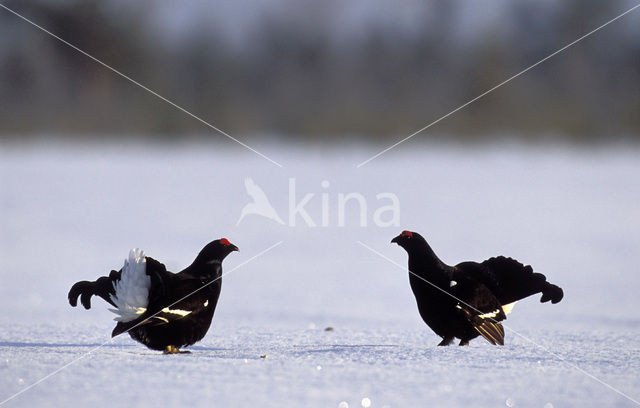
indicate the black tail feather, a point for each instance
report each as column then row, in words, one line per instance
column 102, row 287
column 551, row 293
column 84, row 289
column 517, row 281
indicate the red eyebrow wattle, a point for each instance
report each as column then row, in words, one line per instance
column 225, row 241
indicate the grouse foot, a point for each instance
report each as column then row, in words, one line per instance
column 446, row 341
column 171, row 350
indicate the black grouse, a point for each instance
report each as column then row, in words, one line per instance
column 160, row 309
column 471, row 298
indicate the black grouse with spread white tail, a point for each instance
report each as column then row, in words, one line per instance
column 471, row 298
column 160, row 309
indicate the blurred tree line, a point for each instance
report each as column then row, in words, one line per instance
column 317, row 68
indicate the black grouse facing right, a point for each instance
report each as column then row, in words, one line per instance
column 471, row 298
column 160, row 309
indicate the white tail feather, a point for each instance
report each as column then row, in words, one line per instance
column 508, row 307
column 505, row 308
column 132, row 290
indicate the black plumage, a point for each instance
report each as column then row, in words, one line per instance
column 469, row 299
column 180, row 306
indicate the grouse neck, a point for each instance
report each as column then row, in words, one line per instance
column 205, row 269
column 425, row 260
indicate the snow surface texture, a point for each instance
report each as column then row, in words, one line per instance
column 573, row 214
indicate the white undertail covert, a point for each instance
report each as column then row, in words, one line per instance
column 132, row 290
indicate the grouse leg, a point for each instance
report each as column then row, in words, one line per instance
column 446, row 341
column 464, row 343
column 174, row 350
column 171, row 350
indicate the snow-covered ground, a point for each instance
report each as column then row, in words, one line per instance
column 72, row 212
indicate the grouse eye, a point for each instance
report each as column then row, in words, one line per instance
column 407, row 234
column 225, row 241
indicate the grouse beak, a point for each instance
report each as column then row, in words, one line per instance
column 234, row 248
column 396, row 240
